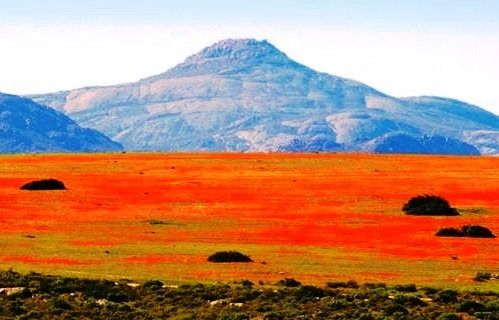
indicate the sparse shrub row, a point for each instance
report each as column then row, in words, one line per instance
column 50, row 297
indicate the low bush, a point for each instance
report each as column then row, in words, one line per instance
column 374, row 285
column 395, row 309
column 406, row 288
column 153, row 284
column 289, row 282
column 447, row 296
column 493, row 306
column 229, row 256
column 308, row 292
column 477, row 232
column 409, row 301
column 450, row 232
column 466, row 231
column 470, row 307
column 46, row 184
column 348, row 284
column 429, row 205
column 482, row 276
column 449, row 316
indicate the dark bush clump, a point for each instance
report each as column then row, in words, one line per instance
column 482, row 276
column 153, row 284
column 466, row 231
column 229, row 256
column 348, row 284
column 289, row 282
column 429, row 205
column 406, row 288
column 447, row 296
column 449, row 316
column 409, row 301
column 450, row 232
column 470, row 307
column 395, row 309
column 477, row 232
column 46, row 184
column 308, row 292
column 374, row 285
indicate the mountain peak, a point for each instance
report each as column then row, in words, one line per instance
column 230, row 54
column 238, row 49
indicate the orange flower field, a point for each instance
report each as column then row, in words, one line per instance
column 312, row 217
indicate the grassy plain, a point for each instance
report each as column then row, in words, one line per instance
column 313, row 217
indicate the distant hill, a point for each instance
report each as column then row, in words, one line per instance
column 246, row 95
column 26, row 126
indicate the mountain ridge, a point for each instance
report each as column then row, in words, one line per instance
column 26, row 127
column 247, row 95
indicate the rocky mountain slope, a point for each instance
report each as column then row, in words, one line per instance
column 26, row 126
column 246, row 95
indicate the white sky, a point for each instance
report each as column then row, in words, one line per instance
column 401, row 60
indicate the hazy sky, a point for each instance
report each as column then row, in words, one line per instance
column 401, row 47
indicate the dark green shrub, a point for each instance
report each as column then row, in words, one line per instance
column 449, row 316
column 493, row 306
column 60, row 303
column 153, row 284
column 466, row 231
column 45, row 184
column 409, row 301
column 395, row 308
column 429, row 205
column 289, row 282
column 247, row 284
column 430, row 291
column 366, row 316
column 482, row 276
column 234, row 316
column 273, row 316
column 375, row 296
column 117, row 297
column 229, row 256
column 447, row 296
column 33, row 314
column 337, row 305
column 244, row 294
column 406, row 288
column 17, row 307
column 348, row 284
column 450, row 232
column 486, row 315
column 470, row 307
column 308, row 292
column 374, row 285
column 477, row 232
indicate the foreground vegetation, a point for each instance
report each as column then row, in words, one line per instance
column 37, row 296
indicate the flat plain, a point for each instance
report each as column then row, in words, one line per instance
column 312, row 217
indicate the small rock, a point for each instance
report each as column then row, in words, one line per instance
column 171, row 286
column 219, row 302
column 102, row 302
column 236, row 304
column 133, row 285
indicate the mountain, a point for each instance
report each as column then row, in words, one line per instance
column 246, row 95
column 26, row 126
